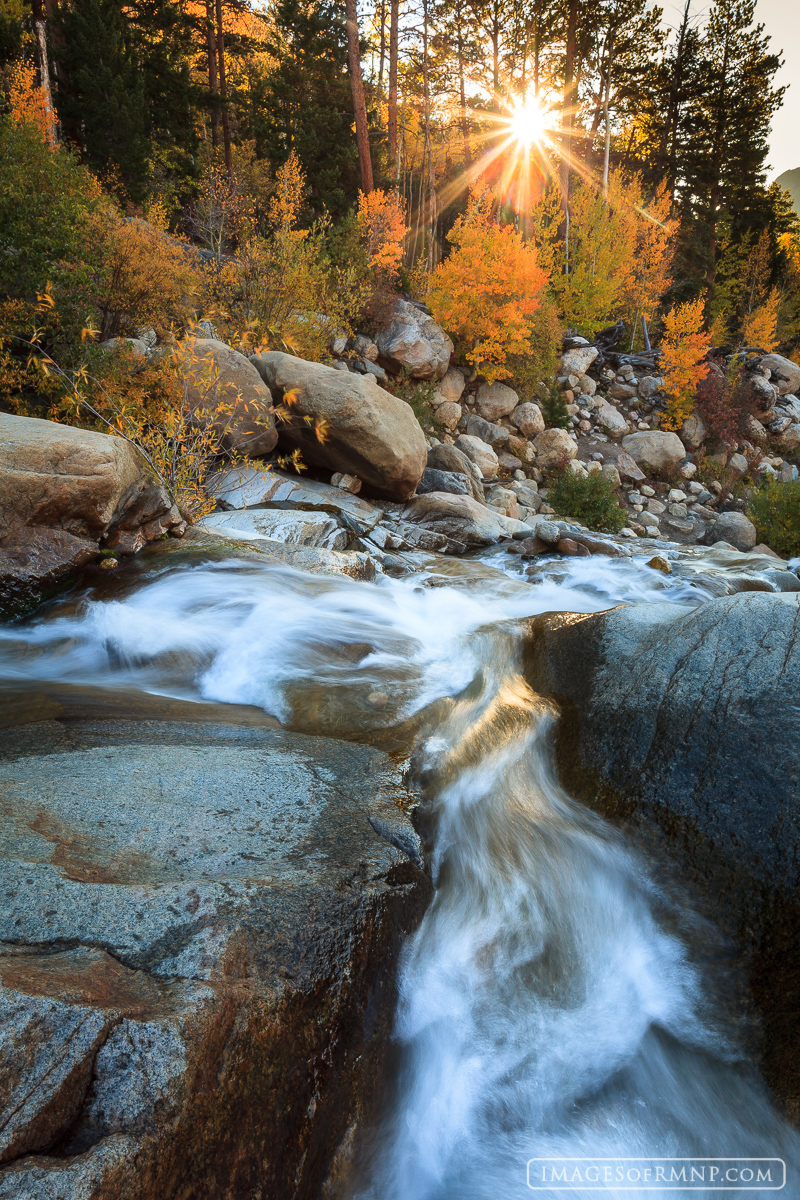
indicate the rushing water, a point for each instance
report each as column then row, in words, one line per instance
column 554, row 1002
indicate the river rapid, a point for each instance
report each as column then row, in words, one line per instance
column 559, row 1000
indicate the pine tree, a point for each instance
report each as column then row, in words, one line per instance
column 304, row 103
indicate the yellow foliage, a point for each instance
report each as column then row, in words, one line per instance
column 381, row 223
column 27, row 102
column 683, row 346
column 488, row 289
column 223, row 211
column 759, row 326
column 148, row 277
column 653, row 233
column 290, row 189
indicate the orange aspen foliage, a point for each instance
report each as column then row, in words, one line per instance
column 486, row 292
column 290, row 190
column 381, row 223
column 683, row 346
column 28, row 104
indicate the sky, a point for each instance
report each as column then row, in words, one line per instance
column 782, row 21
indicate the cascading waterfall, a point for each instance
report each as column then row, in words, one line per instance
column 551, row 1003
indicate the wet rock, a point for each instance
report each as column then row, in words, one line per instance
column 64, row 492
column 194, row 975
column 656, row 451
column 571, row 549
column 370, row 433
column 658, row 563
column 222, row 383
column 347, row 483
column 278, row 525
column 461, row 518
column 683, row 722
column 414, row 343
column 495, row 400
column 249, row 485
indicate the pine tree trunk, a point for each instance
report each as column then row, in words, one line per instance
column 213, row 86
column 462, row 96
column 433, row 215
column 566, row 115
column 359, row 104
column 394, row 14
column 43, row 67
column 223, row 91
column 382, row 58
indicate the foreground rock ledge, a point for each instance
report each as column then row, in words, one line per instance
column 685, row 722
column 199, row 930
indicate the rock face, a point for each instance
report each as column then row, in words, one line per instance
column 412, row 341
column 370, row 433
column 461, row 518
column 196, row 979
column 554, row 448
column 64, row 492
column 656, row 451
column 218, row 379
column 684, row 721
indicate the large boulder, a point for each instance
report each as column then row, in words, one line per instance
column 295, row 528
column 495, row 400
column 367, row 431
column 494, row 435
column 64, row 492
column 785, row 373
column 461, row 518
column 734, row 528
column 684, row 723
column 554, row 449
column 657, row 451
column 414, row 343
column 612, row 420
column 200, row 926
column 224, row 388
column 480, row 453
column 449, row 389
column 578, row 360
column 450, row 458
column 528, row 419
column 694, row 431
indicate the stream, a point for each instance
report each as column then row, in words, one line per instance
column 559, row 1001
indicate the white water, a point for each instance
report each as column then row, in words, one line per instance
column 551, row 1004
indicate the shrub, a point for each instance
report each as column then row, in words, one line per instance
column 486, row 292
column 683, row 347
column 554, row 409
column 725, row 404
column 588, row 498
column 774, row 509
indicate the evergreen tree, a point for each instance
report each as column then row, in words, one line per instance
column 303, row 102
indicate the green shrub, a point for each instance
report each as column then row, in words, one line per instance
column 774, row 509
column 588, row 498
column 554, row 409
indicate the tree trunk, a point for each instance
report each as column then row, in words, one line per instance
column 462, row 97
column 223, row 91
column 382, row 58
column 566, row 114
column 43, row 67
column 716, row 166
column 426, row 94
column 607, row 121
column 394, row 13
column 359, row 104
column 213, row 85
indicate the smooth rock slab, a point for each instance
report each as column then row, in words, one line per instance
column 279, row 525
column 199, row 928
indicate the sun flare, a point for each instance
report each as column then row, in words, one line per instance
column 528, row 123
